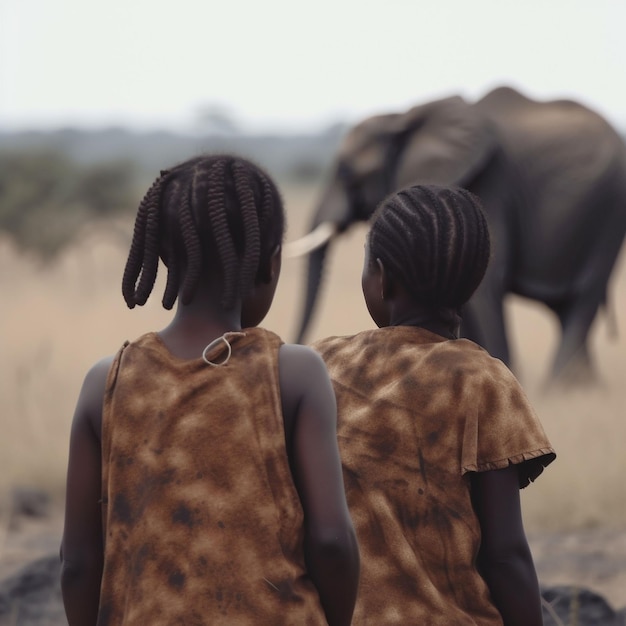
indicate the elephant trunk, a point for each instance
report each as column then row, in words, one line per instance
column 333, row 215
column 314, row 278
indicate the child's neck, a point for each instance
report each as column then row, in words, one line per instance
column 444, row 322
column 198, row 323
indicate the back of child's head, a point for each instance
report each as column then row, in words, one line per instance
column 217, row 215
column 434, row 240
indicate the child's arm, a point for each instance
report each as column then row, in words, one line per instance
column 310, row 414
column 505, row 560
column 81, row 547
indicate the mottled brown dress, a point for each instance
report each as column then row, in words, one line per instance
column 202, row 521
column 417, row 413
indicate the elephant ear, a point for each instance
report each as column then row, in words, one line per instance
column 366, row 145
column 446, row 142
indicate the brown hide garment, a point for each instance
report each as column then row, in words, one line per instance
column 202, row 521
column 418, row 412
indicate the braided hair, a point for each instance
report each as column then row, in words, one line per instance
column 435, row 241
column 211, row 214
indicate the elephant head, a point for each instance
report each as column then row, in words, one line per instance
column 442, row 142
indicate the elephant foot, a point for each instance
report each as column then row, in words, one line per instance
column 576, row 374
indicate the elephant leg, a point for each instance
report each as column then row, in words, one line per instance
column 483, row 316
column 572, row 363
column 484, row 323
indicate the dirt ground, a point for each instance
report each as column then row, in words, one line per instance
column 61, row 318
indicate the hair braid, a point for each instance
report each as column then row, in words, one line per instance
column 435, row 240
column 227, row 252
column 173, row 266
column 211, row 217
column 191, row 241
column 269, row 199
column 142, row 246
column 424, row 270
column 135, row 256
column 250, row 216
column 387, row 239
column 151, row 260
column 464, row 252
column 436, row 214
column 172, row 284
column 269, row 192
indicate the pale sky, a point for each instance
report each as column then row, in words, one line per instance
column 290, row 65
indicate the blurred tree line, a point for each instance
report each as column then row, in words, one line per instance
column 54, row 183
column 46, row 198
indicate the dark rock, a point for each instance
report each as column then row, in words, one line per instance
column 30, row 501
column 32, row 597
column 573, row 605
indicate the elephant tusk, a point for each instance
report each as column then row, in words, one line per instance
column 311, row 241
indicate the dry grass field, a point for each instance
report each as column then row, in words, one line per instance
column 55, row 321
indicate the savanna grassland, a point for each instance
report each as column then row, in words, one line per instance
column 58, row 319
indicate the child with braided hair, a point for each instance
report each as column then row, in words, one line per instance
column 436, row 436
column 204, row 483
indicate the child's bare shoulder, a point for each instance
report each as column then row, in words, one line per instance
column 303, row 377
column 96, row 375
column 297, row 360
column 89, row 405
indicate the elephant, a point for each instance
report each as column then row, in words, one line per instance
column 552, row 179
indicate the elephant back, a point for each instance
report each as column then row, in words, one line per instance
column 558, row 142
column 571, row 165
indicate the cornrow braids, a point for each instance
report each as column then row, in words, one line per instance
column 218, row 217
column 141, row 264
column 191, row 241
column 215, row 215
column 250, row 263
column 435, row 241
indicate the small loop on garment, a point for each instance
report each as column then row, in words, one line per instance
column 211, row 346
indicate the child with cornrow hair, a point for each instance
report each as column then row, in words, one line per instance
column 436, row 436
column 204, row 482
